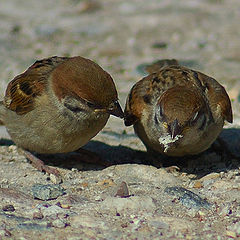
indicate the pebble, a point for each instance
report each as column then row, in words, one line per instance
column 52, row 211
column 8, row 208
column 38, row 215
column 47, row 192
column 197, row 184
column 122, row 190
column 59, row 223
column 188, row 198
column 54, row 179
column 106, row 183
column 210, row 177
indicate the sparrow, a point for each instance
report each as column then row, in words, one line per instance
column 58, row 104
column 177, row 111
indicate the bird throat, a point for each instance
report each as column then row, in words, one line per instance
column 167, row 141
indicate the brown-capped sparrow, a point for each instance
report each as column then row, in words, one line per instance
column 177, row 111
column 58, row 104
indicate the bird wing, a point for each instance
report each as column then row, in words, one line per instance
column 24, row 88
column 217, row 96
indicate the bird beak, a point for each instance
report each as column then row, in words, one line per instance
column 174, row 128
column 115, row 109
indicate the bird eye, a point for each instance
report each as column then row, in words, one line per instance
column 91, row 105
column 73, row 108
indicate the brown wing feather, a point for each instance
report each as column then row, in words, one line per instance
column 175, row 75
column 24, row 88
column 138, row 97
column 217, row 96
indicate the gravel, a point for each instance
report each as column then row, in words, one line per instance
column 200, row 200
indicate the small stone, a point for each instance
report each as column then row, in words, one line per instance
column 37, row 215
column 222, row 174
column 58, row 223
column 188, row 198
column 106, row 183
column 12, row 148
column 210, row 176
column 98, row 198
column 47, row 192
column 8, row 208
column 55, row 179
column 197, row 184
column 53, row 211
column 122, row 190
column 65, row 206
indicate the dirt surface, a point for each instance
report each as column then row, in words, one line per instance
column 199, row 199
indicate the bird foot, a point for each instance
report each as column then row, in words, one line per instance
column 40, row 165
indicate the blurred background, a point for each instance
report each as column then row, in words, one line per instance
column 121, row 35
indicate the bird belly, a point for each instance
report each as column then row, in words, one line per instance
column 43, row 135
column 189, row 144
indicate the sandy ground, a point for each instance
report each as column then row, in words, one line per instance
column 121, row 35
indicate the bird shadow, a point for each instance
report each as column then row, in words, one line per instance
column 222, row 156
column 108, row 154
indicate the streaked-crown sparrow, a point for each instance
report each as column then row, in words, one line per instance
column 177, row 111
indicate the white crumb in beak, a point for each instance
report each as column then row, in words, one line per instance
column 167, row 140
